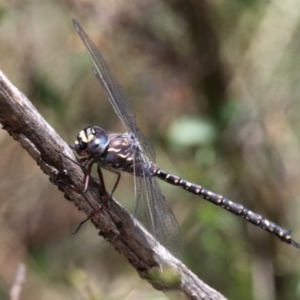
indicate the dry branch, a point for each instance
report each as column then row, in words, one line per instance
column 24, row 123
column 20, row 278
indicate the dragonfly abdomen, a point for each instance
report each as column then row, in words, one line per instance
column 233, row 207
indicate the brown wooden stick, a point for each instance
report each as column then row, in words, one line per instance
column 24, row 123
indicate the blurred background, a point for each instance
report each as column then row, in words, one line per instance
column 216, row 89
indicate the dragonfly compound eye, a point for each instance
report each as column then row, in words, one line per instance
column 98, row 141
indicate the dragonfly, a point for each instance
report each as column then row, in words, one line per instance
column 133, row 153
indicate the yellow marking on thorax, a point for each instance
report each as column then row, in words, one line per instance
column 82, row 136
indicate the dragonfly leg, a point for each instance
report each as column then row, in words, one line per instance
column 116, row 183
column 98, row 210
column 86, row 183
column 104, row 192
column 87, row 176
column 86, row 163
column 106, row 196
column 117, row 180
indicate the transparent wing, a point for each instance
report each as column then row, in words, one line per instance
column 118, row 98
column 154, row 212
column 151, row 207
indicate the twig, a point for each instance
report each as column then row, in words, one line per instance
column 20, row 278
column 23, row 122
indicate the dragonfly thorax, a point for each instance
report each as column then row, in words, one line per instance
column 91, row 141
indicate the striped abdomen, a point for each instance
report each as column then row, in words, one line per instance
column 235, row 208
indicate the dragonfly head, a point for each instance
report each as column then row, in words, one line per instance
column 92, row 140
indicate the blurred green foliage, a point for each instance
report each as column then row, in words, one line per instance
column 215, row 87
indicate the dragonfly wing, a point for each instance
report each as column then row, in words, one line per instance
column 151, row 207
column 154, row 212
column 118, row 98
